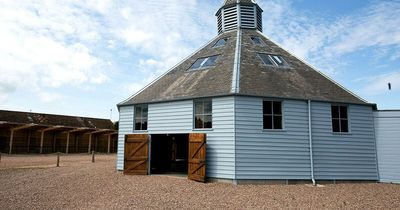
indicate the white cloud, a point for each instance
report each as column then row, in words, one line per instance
column 322, row 42
column 47, row 44
column 48, row 97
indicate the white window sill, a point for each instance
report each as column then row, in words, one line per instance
column 342, row 134
column 202, row 129
column 274, row 130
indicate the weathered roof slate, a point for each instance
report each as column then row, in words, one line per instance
column 179, row 83
column 54, row 120
column 299, row 81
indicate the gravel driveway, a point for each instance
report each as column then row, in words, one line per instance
column 35, row 183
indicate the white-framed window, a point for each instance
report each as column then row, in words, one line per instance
column 141, row 113
column 203, row 114
column 204, row 62
column 273, row 60
column 272, row 115
column 340, row 120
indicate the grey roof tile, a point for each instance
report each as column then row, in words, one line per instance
column 299, row 81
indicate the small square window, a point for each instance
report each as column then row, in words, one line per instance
column 204, row 62
column 256, row 40
column 221, row 42
column 340, row 121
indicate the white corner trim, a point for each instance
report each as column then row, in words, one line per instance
column 314, row 68
column 162, row 75
column 236, row 64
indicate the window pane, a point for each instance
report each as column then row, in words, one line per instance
column 344, row 127
column 277, row 122
column 220, row 42
column 138, row 111
column 267, row 122
column 265, row 59
column 210, row 61
column 335, row 111
column 198, row 63
column 278, row 60
column 198, row 121
column 144, row 125
column 207, row 121
column 277, row 107
column 343, row 112
column 335, row 126
column 256, row 40
column 267, row 107
column 198, row 107
column 207, row 107
column 144, row 112
column 138, row 124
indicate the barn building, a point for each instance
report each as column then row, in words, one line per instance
column 27, row 132
column 244, row 110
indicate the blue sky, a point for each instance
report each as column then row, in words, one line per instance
column 83, row 57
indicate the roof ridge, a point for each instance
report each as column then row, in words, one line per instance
column 236, row 64
column 314, row 68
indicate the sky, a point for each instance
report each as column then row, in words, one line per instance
column 81, row 58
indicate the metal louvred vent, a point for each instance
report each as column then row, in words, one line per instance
column 245, row 14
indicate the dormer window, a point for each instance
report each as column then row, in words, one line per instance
column 204, row 62
column 273, row 60
column 221, row 42
column 256, row 40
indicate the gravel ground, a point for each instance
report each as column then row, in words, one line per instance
column 33, row 182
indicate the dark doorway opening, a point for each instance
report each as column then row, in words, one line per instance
column 169, row 153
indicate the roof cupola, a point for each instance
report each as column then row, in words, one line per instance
column 236, row 14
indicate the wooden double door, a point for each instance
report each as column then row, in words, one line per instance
column 137, row 150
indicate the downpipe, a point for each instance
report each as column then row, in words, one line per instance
column 310, row 141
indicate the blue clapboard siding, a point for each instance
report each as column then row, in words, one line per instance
column 126, row 115
column 271, row 154
column 172, row 117
column 349, row 156
column 387, row 131
column 177, row 117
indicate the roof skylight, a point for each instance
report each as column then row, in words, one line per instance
column 204, row 62
column 273, row 60
column 221, row 42
column 256, row 40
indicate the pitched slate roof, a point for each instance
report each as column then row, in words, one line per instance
column 54, row 120
column 179, row 83
column 240, row 71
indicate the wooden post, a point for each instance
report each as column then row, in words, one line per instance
column 58, row 159
column 108, row 144
column 90, row 143
column 93, row 156
column 95, row 143
column 29, row 139
column 41, row 142
column 54, row 141
column 66, row 149
column 11, row 141
column 76, row 143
